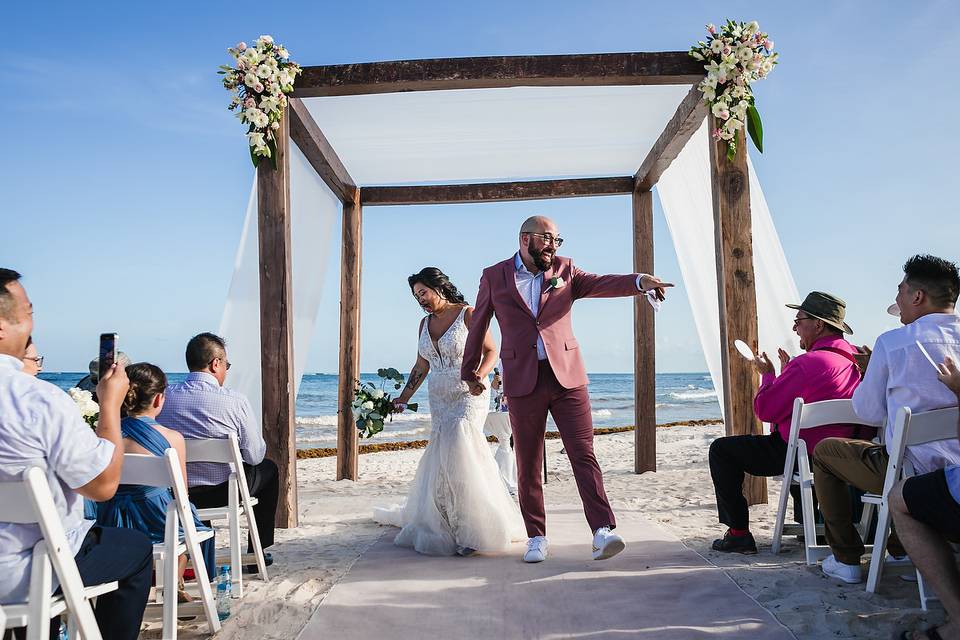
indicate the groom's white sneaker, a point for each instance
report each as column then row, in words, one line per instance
column 606, row 544
column 536, row 549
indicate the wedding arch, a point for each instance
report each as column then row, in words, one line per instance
column 470, row 130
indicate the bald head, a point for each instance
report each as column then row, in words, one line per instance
column 539, row 240
column 538, row 224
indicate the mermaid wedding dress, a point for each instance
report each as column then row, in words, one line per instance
column 457, row 502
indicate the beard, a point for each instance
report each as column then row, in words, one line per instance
column 541, row 260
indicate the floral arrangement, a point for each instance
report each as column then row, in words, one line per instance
column 371, row 405
column 736, row 55
column 89, row 409
column 262, row 77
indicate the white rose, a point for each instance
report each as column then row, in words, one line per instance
column 377, row 394
column 368, row 405
column 265, row 40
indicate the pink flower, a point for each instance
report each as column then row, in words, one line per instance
column 768, row 44
column 258, row 88
column 716, row 134
column 249, row 103
column 241, row 46
column 711, row 29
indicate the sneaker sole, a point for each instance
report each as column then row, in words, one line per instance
column 533, row 561
column 610, row 550
column 841, row 578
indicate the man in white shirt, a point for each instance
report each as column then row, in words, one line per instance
column 898, row 375
column 41, row 426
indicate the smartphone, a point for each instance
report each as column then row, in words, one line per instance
column 108, row 353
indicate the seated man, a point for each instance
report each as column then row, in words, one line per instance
column 41, row 425
column 926, row 511
column 898, row 376
column 200, row 407
column 827, row 371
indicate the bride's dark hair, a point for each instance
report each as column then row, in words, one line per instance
column 438, row 281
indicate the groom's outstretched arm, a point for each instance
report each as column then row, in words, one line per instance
column 591, row 285
column 479, row 323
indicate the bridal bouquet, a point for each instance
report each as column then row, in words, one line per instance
column 262, row 76
column 372, row 405
column 736, row 55
column 89, row 409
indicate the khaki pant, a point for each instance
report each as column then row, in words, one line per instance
column 838, row 462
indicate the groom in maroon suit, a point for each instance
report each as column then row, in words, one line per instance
column 532, row 294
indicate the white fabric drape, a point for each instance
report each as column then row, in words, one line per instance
column 313, row 211
column 686, row 196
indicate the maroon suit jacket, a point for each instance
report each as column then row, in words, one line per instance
column 519, row 328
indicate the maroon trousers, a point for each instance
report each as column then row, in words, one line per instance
column 570, row 409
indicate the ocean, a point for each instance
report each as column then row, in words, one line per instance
column 680, row 396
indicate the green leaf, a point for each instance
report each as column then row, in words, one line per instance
column 413, row 406
column 254, row 157
column 755, row 127
column 731, row 150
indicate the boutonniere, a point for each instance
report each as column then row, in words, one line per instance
column 557, row 283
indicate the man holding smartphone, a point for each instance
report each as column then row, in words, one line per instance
column 40, row 424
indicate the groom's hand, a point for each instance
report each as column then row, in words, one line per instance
column 653, row 282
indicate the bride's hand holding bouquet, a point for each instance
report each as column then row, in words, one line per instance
column 372, row 405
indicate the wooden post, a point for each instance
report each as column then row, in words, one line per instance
column 276, row 323
column 737, row 292
column 644, row 348
column 347, row 435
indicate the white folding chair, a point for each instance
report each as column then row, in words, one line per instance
column 910, row 429
column 807, row 416
column 164, row 471
column 227, row 451
column 29, row 501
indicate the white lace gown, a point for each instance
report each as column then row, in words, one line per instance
column 457, row 498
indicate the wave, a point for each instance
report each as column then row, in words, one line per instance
column 602, row 413
column 331, row 420
column 696, row 394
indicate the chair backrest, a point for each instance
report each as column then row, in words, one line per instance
column 32, row 493
column 911, row 429
column 212, row 450
column 818, row 414
column 160, row 471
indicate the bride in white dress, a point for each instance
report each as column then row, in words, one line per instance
column 457, row 503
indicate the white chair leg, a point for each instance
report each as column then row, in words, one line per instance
column 781, row 513
column 233, row 521
column 865, row 516
column 41, row 586
column 809, row 513
column 255, row 538
column 879, row 548
column 169, row 572
column 926, row 593
column 206, row 593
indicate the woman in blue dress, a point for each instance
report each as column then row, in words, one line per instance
column 141, row 507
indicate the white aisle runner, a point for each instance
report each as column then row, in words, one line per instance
column 657, row 588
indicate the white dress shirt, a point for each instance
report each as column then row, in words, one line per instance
column 530, row 285
column 41, row 426
column 899, row 376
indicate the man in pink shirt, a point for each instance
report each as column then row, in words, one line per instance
column 827, row 371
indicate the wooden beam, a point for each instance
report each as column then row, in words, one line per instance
column 321, row 156
column 644, row 347
column 737, row 293
column 490, row 191
column 276, row 323
column 682, row 126
column 351, row 248
column 667, row 67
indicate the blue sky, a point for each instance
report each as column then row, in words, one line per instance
column 125, row 179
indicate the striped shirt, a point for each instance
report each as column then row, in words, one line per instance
column 199, row 408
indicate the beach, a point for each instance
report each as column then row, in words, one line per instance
column 336, row 528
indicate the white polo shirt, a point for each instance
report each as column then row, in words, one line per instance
column 41, row 426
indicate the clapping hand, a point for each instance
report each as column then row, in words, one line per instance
column 762, row 364
column 476, row 386
column 950, row 375
column 653, row 282
column 784, row 358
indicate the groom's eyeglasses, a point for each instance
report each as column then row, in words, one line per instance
column 548, row 238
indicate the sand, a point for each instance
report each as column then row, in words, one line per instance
column 336, row 528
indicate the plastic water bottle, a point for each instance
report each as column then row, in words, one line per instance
column 224, row 591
